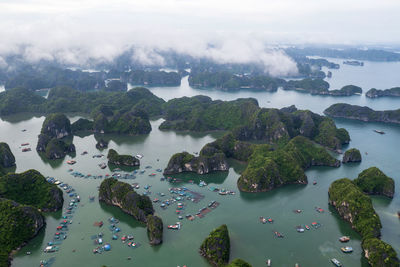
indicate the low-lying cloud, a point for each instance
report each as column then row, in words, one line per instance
column 75, row 32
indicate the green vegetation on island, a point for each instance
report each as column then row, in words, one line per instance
column 321, row 87
column 31, row 188
column 352, row 155
column 18, row 224
column 269, row 168
column 121, row 160
column 122, row 195
column 216, row 247
column 273, row 125
column 228, row 81
column 200, row 113
column 133, row 122
column 375, row 93
column 152, row 78
column 67, row 99
column 379, row 253
column 374, row 182
column 154, row 229
column 53, row 137
column 238, row 263
column 367, row 114
column 7, row 158
column 20, row 100
column 356, row 208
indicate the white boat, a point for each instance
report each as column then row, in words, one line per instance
column 347, row 249
column 336, row 262
column 139, row 156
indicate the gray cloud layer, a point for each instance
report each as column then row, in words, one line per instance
column 75, row 31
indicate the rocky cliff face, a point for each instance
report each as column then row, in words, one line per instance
column 122, row 195
column 352, row 155
column 56, row 126
column 185, row 162
column 52, row 142
column 155, row 230
column 216, row 247
column 379, row 253
column 7, row 158
column 101, row 144
column 354, row 207
column 122, row 160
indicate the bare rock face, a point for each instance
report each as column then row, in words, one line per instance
column 207, row 162
column 102, row 144
column 56, row 126
column 52, row 137
column 352, row 155
column 7, row 158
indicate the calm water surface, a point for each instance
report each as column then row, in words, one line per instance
column 250, row 239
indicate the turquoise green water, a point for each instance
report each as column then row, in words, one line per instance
column 250, row 239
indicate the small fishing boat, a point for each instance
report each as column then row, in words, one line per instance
column 103, row 165
column 263, row 220
column 139, row 156
column 71, row 162
column 379, row 131
column 314, row 182
column 336, row 262
column 307, row 227
column 344, row 239
column 84, row 153
column 300, row 229
column 347, row 249
column 26, row 149
column 277, row 234
column 270, row 220
column 25, row 144
column 320, row 210
column 268, row 262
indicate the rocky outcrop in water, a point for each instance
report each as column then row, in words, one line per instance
column 155, row 229
column 356, row 208
column 56, row 126
column 216, row 247
column 122, row 195
column 19, row 224
column 208, row 161
column 374, row 182
column 101, row 144
column 363, row 113
column 375, row 93
column 52, row 139
column 7, row 158
column 352, row 155
column 121, row 160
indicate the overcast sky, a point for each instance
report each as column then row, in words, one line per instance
column 75, row 30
